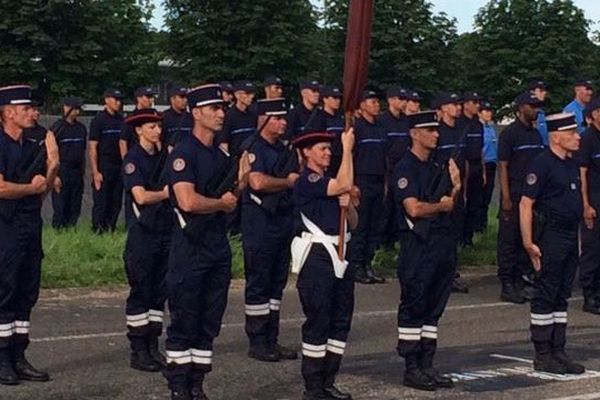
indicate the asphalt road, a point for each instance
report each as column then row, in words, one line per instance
column 80, row 339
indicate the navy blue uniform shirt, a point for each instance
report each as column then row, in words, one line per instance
column 139, row 168
column 300, row 119
column 589, row 156
column 105, row 129
column 370, row 149
column 176, row 126
column 518, row 145
column 412, row 178
column 310, row 198
column 398, row 136
column 334, row 124
column 450, row 137
column 555, row 186
column 71, row 140
column 473, row 129
column 237, row 127
column 193, row 162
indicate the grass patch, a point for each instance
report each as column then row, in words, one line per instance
column 78, row 258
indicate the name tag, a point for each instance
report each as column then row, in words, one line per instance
column 573, row 186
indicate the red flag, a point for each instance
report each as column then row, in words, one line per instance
column 356, row 58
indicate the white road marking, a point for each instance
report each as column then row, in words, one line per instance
column 503, row 357
column 588, row 396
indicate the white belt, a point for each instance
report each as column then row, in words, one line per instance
column 301, row 246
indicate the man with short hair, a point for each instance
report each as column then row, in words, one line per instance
column 105, row 163
column 334, row 124
column 227, row 93
column 144, row 99
column 273, row 86
column 177, row 122
column 584, row 89
column 240, row 119
column 307, row 115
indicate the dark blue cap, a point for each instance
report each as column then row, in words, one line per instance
column 584, row 82
column 592, row 106
column 471, row 96
column 273, row 80
column 177, row 90
column 312, row 84
column 244, row 86
column 145, row 91
column 537, row 85
column 205, row 95
column 73, row 101
column 486, row 105
column 143, row 116
column 444, row 98
column 528, row 98
column 561, row 122
column 331, row 91
column 271, row 106
column 397, row 91
column 368, row 94
column 226, row 86
column 15, row 94
column 117, row 94
column 412, row 95
column 423, row 119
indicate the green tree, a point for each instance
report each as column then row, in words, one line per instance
column 235, row 39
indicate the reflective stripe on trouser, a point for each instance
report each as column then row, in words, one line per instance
column 327, row 303
column 425, row 272
column 146, row 259
column 197, row 294
column 552, row 289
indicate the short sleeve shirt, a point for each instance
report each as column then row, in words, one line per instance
column 311, row 199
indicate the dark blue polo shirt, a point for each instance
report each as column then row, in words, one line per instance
column 310, row 198
column 518, row 145
column 412, row 178
column 472, row 128
column 450, row 143
column 398, row 136
column 555, row 185
column 370, row 148
column 589, row 156
column 139, row 168
column 193, row 162
column 237, row 127
column 105, row 129
column 176, row 126
column 334, row 124
column 71, row 140
column 300, row 119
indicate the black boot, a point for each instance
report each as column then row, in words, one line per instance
column 25, row 371
column 511, row 294
column 370, row 272
column 264, row 353
column 362, row 276
column 197, row 388
column 8, row 376
column 140, row 356
column 315, row 396
column 285, row 353
column 591, row 304
column 459, row 286
column 415, row 378
column 548, row 363
column 570, row 366
column 428, row 348
column 180, row 394
column 155, row 353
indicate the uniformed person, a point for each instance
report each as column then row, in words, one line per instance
column 452, row 144
column 307, row 115
column 240, row 119
column 23, row 183
column 273, row 86
column 426, row 264
column 199, row 269
column 148, row 238
column 105, row 163
column 144, row 98
column 227, row 88
column 550, row 212
column 413, row 103
column 490, row 158
column 584, row 90
column 325, row 285
column 473, row 129
column 588, row 158
column 540, row 90
column 518, row 144
column 267, row 230
column 177, row 121
column 370, row 169
column 67, row 191
column 334, row 123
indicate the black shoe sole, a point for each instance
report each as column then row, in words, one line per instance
column 144, row 369
column 449, row 385
column 419, row 387
column 10, row 383
column 33, row 379
column 263, row 359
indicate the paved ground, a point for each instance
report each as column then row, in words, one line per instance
column 79, row 338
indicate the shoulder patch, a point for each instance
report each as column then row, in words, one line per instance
column 251, row 157
column 178, row 164
column 312, row 178
column 531, row 179
column 402, row 183
column 129, row 168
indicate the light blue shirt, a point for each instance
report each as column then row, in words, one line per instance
column 575, row 108
column 542, row 126
column 490, row 143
